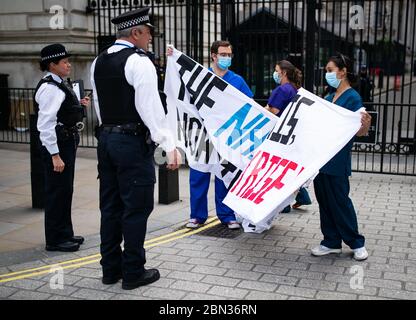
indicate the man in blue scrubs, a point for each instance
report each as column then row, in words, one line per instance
column 221, row 56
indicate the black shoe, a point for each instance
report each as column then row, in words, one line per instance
column 148, row 277
column 64, row 247
column 111, row 279
column 77, row 239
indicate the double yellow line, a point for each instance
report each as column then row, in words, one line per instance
column 76, row 263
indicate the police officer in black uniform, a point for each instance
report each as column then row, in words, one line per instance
column 60, row 115
column 132, row 119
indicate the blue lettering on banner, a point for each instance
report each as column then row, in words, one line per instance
column 241, row 134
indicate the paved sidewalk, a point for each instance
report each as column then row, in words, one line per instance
column 274, row 265
column 22, row 227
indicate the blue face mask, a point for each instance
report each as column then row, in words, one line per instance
column 331, row 78
column 224, row 62
column 276, row 78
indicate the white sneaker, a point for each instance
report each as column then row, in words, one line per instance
column 233, row 225
column 360, row 254
column 193, row 224
column 322, row 251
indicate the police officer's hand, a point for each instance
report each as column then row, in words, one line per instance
column 365, row 124
column 174, row 159
column 58, row 164
column 86, row 101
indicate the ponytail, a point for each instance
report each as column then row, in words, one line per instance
column 294, row 75
column 342, row 61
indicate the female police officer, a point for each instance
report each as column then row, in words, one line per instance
column 59, row 111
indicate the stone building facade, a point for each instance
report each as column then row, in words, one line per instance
column 27, row 26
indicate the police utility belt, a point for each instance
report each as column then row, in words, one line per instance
column 128, row 128
column 64, row 132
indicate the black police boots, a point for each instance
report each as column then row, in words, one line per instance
column 111, row 279
column 77, row 239
column 68, row 246
column 148, row 277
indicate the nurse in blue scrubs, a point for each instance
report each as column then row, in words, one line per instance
column 332, row 187
column 221, row 55
column 288, row 79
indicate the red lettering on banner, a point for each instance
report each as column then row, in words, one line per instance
column 254, row 173
column 269, row 164
column 278, row 184
column 242, row 175
column 275, row 161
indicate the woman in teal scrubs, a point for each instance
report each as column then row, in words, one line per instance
column 338, row 217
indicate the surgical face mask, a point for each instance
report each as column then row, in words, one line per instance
column 276, row 77
column 331, row 78
column 224, row 62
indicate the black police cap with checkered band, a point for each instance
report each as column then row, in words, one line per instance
column 132, row 19
column 53, row 52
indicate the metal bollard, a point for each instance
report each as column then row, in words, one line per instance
column 36, row 167
column 168, row 185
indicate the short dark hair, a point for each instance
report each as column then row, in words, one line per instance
column 342, row 61
column 220, row 43
column 44, row 65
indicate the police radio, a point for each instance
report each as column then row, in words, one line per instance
column 78, row 87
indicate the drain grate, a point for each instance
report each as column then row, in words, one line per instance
column 221, row 231
column 218, row 231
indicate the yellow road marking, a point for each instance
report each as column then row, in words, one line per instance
column 98, row 255
column 187, row 234
column 49, row 266
column 39, row 273
column 176, row 232
column 154, row 242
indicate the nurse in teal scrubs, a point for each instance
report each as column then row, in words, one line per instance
column 337, row 213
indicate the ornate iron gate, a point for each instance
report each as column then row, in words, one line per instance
column 378, row 35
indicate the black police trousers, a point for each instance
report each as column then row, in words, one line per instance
column 59, row 188
column 127, row 177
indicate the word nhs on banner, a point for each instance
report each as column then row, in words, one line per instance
column 242, row 131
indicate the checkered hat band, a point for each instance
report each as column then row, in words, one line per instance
column 54, row 56
column 132, row 23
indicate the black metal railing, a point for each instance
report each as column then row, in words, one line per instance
column 16, row 127
column 379, row 37
column 392, row 151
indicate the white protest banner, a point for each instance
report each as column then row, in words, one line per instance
column 308, row 134
column 217, row 126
